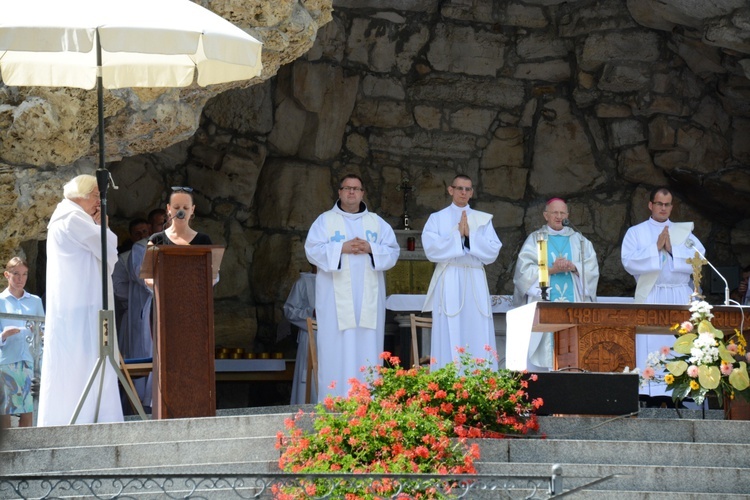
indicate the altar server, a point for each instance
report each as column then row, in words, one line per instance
column 352, row 248
column 461, row 241
column 655, row 252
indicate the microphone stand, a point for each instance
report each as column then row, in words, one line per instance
column 569, row 224
column 690, row 244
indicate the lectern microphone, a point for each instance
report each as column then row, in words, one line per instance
column 179, row 215
column 691, row 244
column 567, row 223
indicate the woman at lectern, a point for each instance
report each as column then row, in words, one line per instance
column 180, row 211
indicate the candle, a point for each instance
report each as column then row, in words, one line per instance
column 541, row 242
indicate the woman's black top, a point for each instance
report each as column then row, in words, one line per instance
column 162, row 239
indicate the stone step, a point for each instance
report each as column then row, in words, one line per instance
column 656, row 453
column 269, row 424
column 148, row 431
column 248, row 449
column 630, row 482
column 646, row 429
column 655, row 457
column 718, row 481
column 654, row 495
column 100, row 458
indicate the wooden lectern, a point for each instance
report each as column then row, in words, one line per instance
column 183, row 377
column 600, row 337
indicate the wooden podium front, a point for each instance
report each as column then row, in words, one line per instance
column 600, row 337
column 183, row 377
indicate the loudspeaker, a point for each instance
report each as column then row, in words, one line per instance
column 585, row 393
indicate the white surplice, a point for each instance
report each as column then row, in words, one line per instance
column 71, row 337
column 299, row 306
column 342, row 353
column 460, row 301
column 526, row 285
column 673, row 286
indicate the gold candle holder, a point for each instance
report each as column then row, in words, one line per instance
column 541, row 242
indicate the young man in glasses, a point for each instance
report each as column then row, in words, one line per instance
column 461, row 241
column 352, row 248
column 655, row 253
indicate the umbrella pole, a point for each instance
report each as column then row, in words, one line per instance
column 106, row 316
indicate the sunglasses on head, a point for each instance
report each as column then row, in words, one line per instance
column 182, row 189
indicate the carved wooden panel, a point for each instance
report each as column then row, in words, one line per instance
column 184, row 376
column 631, row 315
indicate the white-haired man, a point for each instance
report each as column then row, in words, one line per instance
column 74, row 297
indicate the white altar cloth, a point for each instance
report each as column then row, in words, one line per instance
column 414, row 303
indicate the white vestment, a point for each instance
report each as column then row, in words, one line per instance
column 459, row 297
column 299, row 306
column 342, row 353
column 526, row 286
column 673, row 285
column 71, row 337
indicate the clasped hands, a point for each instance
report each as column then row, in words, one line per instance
column 463, row 225
column 356, row 246
column 562, row 265
column 663, row 241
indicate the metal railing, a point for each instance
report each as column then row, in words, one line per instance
column 35, row 339
column 266, row 486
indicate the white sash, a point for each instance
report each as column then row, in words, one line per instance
column 678, row 233
column 342, row 280
column 476, row 220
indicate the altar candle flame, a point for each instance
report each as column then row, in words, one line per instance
column 541, row 242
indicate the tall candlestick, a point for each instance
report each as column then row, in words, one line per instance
column 541, row 242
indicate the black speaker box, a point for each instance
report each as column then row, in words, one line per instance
column 584, row 393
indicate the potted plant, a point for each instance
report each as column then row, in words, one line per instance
column 406, row 421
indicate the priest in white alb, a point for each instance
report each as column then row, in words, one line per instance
column 573, row 274
column 461, row 241
column 352, row 249
column 655, row 252
column 74, row 299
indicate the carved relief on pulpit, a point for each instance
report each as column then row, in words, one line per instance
column 605, row 350
column 595, row 348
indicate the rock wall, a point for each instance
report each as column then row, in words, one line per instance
column 592, row 101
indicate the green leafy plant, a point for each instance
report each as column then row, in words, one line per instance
column 407, row 421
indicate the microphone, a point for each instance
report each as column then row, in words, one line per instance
column 691, row 244
column 179, row 215
column 567, row 223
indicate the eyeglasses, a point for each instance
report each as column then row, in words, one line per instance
column 464, row 189
column 558, row 214
column 182, row 189
column 351, row 189
column 659, row 204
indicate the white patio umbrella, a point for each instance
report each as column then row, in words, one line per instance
column 117, row 44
